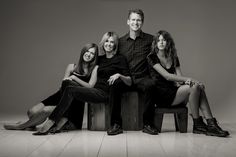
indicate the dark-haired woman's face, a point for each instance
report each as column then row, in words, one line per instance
column 89, row 54
column 161, row 43
column 109, row 44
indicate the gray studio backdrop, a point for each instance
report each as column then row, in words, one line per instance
column 39, row 38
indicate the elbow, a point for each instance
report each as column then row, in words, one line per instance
column 90, row 86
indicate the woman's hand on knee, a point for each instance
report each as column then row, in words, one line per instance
column 192, row 82
column 201, row 85
column 113, row 78
column 189, row 82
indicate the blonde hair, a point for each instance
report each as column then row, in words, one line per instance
column 105, row 38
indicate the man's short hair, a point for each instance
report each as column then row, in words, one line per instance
column 137, row 11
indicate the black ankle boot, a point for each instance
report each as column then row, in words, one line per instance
column 213, row 129
column 199, row 127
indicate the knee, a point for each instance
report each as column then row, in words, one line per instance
column 65, row 83
column 196, row 88
column 32, row 112
column 47, row 110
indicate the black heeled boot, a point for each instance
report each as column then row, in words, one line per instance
column 199, row 127
column 213, row 129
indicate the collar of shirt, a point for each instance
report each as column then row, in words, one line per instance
column 127, row 36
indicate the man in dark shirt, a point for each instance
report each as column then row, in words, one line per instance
column 135, row 46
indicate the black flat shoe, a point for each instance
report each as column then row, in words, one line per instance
column 41, row 133
column 45, row 132
column 56, row 130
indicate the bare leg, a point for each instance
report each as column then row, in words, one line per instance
column 190, row 94
column 204, row 105
column 35, row 110
column 37, row 115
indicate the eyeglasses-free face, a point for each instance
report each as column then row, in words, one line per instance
column 89, row 55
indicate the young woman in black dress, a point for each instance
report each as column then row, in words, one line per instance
column 172, row 88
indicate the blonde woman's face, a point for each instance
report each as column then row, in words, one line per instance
column 161, row 44
column 109, row 44
column 89, row 55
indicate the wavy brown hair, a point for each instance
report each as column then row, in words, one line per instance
column 170, row 50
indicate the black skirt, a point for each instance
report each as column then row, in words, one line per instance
column 165, row 94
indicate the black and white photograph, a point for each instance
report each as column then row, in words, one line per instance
column 117, row 78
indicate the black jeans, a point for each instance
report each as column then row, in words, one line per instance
column 76, row 110
column 146, row 92
column 145, row 88
column 115, row 93
column 82, row 94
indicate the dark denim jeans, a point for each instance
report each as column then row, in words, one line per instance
column 78, row 93
column 145, row 89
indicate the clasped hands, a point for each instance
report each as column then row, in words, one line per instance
column 71, row 78
column 192, row 82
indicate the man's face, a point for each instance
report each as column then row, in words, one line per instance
column 135, row 22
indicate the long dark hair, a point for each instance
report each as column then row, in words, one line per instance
column 79, row 69
column 170, row 50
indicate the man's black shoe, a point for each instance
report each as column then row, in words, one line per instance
column 115, row 130
column 150, row 130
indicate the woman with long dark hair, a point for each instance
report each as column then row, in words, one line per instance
column 80, row 74
column 111, row 67
column 172, row 88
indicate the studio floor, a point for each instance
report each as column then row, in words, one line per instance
column 84, row 143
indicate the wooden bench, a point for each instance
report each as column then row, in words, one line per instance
column 132, row 115
column 131, row 112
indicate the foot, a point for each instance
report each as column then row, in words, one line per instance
column 115, row 130
column 213, row 129
column 46, row 128
column 214, row 132
column 199, row 126
column 32, row 128
column 66, row 127
column 60, row 126
column 150, row 130
column 12, row 127
column 199, row 130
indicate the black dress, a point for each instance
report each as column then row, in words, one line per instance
column 165, row 90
